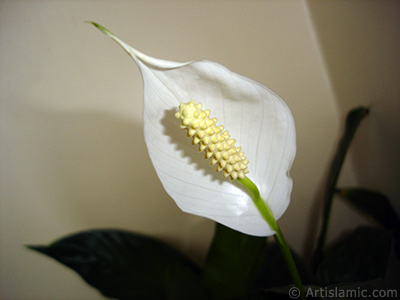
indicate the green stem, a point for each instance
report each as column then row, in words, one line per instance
column 279, row 238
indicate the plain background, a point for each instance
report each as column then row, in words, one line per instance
column 72, row 151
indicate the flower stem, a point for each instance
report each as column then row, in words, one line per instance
column 279, row 238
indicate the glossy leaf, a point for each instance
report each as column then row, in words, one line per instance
column 238, row 265
column 353, row 120
column 257, row 118
column 274, row 274
column 127, row 266
column 373, row 204
column 233, row 263
column 361, row 256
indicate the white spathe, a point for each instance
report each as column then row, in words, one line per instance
column 257, row 118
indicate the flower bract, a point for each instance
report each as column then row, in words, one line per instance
column 258, row 119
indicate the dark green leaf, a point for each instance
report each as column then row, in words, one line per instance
column 127, row 266
column 377, row 206
column 360, row 256
column 274, row 272
column 353, row 120
column 373, row 204
column 233, row 263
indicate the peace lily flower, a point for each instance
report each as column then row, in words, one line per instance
column 258, row 120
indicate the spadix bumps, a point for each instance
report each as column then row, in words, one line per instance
column 212, row 139
column 267, row 130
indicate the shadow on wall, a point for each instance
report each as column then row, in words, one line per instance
column 101, row 169
column 91, row 169
column 376, row 156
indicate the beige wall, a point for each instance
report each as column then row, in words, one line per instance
column 360, row 41
column 72, row 152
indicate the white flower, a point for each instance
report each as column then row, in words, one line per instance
column 259, row 121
